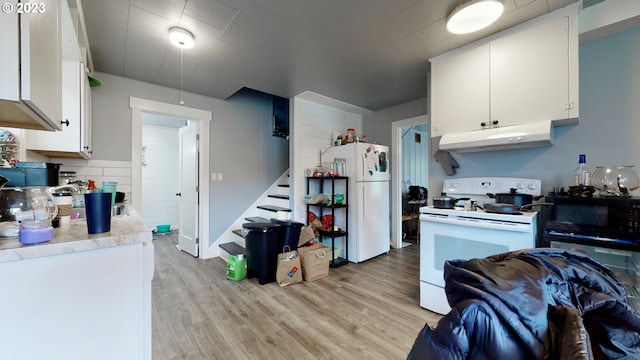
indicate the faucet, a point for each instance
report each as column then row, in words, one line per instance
column 54, row 189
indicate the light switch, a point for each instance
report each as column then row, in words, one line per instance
column 219, row 176
column 214, row 176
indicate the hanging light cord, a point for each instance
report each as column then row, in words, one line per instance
column 181, row 77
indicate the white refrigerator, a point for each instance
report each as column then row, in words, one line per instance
column 367, row 166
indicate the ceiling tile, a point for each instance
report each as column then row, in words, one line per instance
column 435, row 32
column 399, row 5
column 95, row 7
column 144, row 54
column 212, row 12
column 411, row 19
column 241, row 37
column 256, row 18
column 168, row 9
column 282, row 8
column 108, row 58
column 144, row 22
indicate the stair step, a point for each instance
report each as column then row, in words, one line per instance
column 279, row 196
column 232, row 248
column 238, row 232
column 257, row 219
column 273, row 208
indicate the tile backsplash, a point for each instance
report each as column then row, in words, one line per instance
column 99, row 171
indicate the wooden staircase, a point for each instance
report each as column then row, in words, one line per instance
column 264, row 213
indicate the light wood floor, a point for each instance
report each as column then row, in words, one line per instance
column 361, row 311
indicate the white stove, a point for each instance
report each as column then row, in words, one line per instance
column 459, row 233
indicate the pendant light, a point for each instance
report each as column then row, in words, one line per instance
column 474, row 15
column 183, row 39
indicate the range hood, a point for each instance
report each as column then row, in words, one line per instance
column 500, row 138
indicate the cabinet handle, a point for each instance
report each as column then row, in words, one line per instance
column 66, row 122
column 178, row 194
column 495, row 122
column 483, row 124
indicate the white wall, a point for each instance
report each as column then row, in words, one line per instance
column 377, row 127
column 313, row 124
column 160, row 176
column 415, row 156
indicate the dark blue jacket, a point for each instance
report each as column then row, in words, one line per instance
column 532, row 304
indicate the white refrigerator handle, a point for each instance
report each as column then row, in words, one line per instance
column 364, row 207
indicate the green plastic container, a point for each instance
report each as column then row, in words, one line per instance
column 110, row 187
column 236, row 267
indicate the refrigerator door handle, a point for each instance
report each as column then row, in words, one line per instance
column 364, row 207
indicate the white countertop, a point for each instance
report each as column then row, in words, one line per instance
column 74, row 237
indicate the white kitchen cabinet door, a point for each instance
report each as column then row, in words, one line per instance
column 460, row 96
column 85, row 113
column 71, row 140
column 30, row 68
column 530, row 74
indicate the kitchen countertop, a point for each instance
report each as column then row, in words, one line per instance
column 73, row 237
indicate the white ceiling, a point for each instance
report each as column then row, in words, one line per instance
column 369, row 53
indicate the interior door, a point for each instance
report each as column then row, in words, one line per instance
column 188, row 195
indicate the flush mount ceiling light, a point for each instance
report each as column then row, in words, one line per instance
column 181, row 38
column 474, row 15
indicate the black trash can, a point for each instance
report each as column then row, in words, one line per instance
column 290, row 232
column 262, row 243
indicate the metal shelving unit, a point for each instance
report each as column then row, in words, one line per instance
column 325, row 209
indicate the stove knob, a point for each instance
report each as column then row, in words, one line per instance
column 531, row 186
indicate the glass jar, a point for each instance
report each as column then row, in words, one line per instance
column 615, row 180
column 35, row 232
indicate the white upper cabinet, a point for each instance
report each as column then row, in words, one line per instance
column 525, row 75
column 530, row 76
column 71, row 140
column 460, row 91
column 30, row 66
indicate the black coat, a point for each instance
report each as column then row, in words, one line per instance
column 532, row 304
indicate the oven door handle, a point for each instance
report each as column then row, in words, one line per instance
column 485, row 224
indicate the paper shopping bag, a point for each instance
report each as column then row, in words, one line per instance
column 315, row 261
column 306, row 234
column 288, row 269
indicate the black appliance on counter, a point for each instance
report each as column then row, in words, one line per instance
column 27, row 173
column 606, row 228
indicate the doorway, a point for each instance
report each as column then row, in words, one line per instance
column 403, row 156
column 140, row 107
